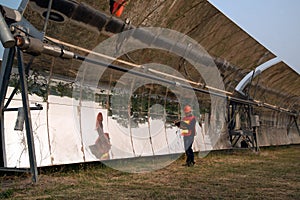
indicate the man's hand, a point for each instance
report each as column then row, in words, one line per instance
column 181, row 124
column 177, row 123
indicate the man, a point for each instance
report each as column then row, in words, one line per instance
column 187, row 124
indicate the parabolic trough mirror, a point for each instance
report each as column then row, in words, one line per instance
column 133, row 86
column 108, row 114
column 139, row 106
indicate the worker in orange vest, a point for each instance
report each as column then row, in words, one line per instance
column 117, row 7
column 188, row 127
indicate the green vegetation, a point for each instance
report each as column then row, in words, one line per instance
column 231, row 174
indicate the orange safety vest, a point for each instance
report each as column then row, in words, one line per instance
column 185, row 130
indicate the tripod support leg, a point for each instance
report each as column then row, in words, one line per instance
column 28, row 124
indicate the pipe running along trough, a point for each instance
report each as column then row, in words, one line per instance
column 60, row 52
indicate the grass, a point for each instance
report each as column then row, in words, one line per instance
column 274, row 173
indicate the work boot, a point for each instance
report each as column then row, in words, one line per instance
column 191, row 164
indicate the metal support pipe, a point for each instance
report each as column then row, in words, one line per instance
column 185, row 86
column 296, row 124
column 6, row 37
column 47, row 17
column 28, row 125
column 35, row 47
column 23, row 6
column 6, row 68
column 38, row 107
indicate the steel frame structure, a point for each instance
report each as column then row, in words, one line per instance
column 245, row 131
column 5, row 76
column 10, row 53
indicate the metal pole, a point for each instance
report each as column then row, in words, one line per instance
column 8, row 59
column 47, row 17
column 22, row 6
column 183, row 85
column 296, row 124
column 6, row 68
column 28, row 125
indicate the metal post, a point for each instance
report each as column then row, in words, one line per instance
column 6, row 68
column 28, row 125
column 296, row 124
column 255, row 130
column 22, row 6
column 47, row 17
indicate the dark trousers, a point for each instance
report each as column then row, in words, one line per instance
column 188, row 142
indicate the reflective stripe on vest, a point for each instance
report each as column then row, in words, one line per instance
column 187, row 120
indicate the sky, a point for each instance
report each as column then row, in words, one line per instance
column 273, row 23
column 11, row 4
